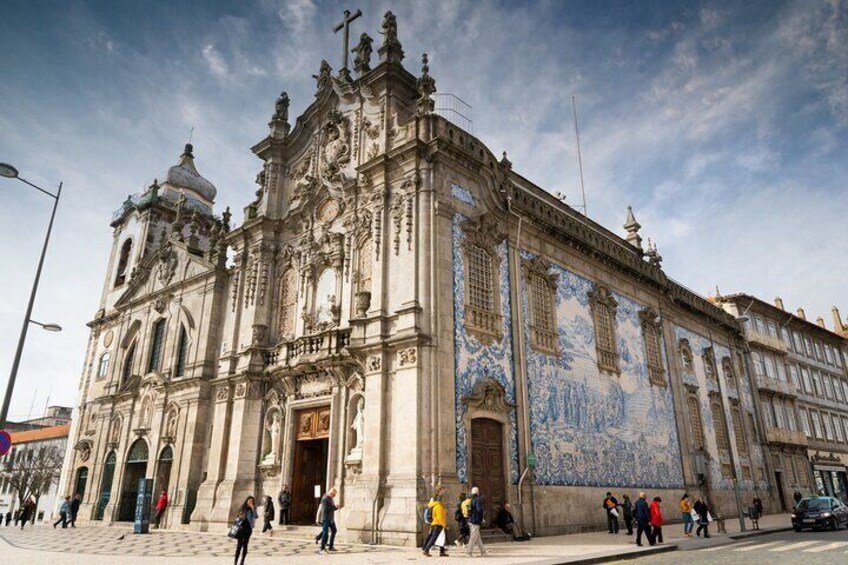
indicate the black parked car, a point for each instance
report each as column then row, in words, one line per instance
column 820, row 512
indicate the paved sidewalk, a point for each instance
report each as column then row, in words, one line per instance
column 98, row 545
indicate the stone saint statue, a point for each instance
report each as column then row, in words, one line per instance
column 324, row 77
column 358, row 425
column 171, row 428
column 389, row 28
column 281, row 107
column 274, row 431
column 362, row 62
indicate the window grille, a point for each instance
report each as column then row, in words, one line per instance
column 695, row 417
column 720, row 428
column 128, row 364
column 182, row 353
column 288, row 302
column 157, row 341
column 123, row 263
column 480, row 285
column 603, row 310
column 652, row 336
column 739, row 429
column 543, row 334
column 104, row 365
column 364, row 265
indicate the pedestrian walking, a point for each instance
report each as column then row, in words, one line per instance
column 627, row 511
column 438, row 523
column 8, row 518
column 27, row 512
column 74, row 509
column 63, row 513
column 245, row 521
column 461, row 517
column 703, row 512
column 327, row 514
column 475, row 520
column 758, row 506
column 656, row 520
column 686, row 512
column 611, row 506
column 642, row 513
column 161, row 506
column 284, row 498
column 797, row 496
column 267, row 514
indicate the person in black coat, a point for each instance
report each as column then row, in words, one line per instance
column 627, row 509
column 74, row 510
column 642, row 513
column 703, row 511
column 285, row 499
column 268, row 514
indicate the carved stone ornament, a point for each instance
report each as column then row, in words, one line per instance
column 84, row 450
column 407, row 357
column 489, row 395
column 168, row 261
column 108, row 338
column 171, row 423
column 485, row 231
column 240, row 390
column 336, row 147
column 314, row 384
column 115, row 431
column 374, row 363
column 259, row 333
column 160, row 304
column 363, row 303
column 222, row 393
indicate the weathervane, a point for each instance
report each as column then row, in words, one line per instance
column 345, row 25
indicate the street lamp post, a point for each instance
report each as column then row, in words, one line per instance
column 9, row 171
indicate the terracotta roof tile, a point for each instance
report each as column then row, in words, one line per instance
column 41, row 434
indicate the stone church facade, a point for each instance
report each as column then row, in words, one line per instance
column 399, row 308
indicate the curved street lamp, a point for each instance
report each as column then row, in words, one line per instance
column 8, row 171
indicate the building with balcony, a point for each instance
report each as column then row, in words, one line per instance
column 800, row 373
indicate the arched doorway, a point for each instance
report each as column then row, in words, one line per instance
column 135, row 469
column 82, row 481
column 106, row 485
column 487, row 463
column 163, row 472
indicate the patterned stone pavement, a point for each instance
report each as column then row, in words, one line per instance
column 105, row 541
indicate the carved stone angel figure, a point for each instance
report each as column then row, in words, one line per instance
column 324, row 77
column 389, row 28
column 362, row 62
column 282, row 108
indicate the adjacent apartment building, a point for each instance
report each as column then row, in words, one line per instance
column 801, row 378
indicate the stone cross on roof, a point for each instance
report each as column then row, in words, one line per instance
column 345, row 25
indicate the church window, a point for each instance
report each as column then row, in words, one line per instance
column 739, row 430
column 541, row 289
column 288, row 303
column 695, row 420
column 128, row 364
column 652, row 336
column 685, row 354
column 481, row 288
column 729, row 374
column 709, row 364
column 483, row 317
column 182, row 353
column 103, row 367
column 603, row 307
column 156, row 343
column 123, row 263
column 720, row 427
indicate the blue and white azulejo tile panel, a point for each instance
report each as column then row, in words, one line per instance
column 462, row 194
column 474, row 361
column 594, row 429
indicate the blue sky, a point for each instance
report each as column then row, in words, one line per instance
column 724, row 125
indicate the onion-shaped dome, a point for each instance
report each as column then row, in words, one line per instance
column 184, row 175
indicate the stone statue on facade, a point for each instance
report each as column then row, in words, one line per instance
column 324, row 78
column 358, row 427
column 274, row 436
column 362, row 61
column 281, row 108
column 391, row 50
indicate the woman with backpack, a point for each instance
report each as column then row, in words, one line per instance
column 461, row 517
column 244, row 528
column 436, row 517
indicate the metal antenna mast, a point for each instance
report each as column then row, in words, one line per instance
column 579, row 157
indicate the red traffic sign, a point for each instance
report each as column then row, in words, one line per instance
column 5, row 442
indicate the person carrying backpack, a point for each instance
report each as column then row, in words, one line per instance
column 476, row 519
column 437, row 519
column 461, row 517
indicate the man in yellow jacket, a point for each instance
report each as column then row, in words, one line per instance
column 438, row 523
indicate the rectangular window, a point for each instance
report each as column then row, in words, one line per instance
column 837, row 355
column 828, row 354
column 837, row 428
column 805, row 421
column 770, row 370
column 781, row 370
column 739, row 431
column 182, row 353
column 786, row 335
column 845, row 389
column 543, row 329
column 481, row 293
column 156, row 342
column 720, row 428
column 799, row 343
column 790, row 417
column 808, row 347
column 603, row 307
column 768, row 414
column 817, row 427
column 808, row 383
column 793, row 374
column 759, row 368
column 772, row 329
column 819, row 353
column 695, row 420
column 828, row 429
column 837, row 389
column 845, row 426
column 779, row 419
column 817, row 384
column 760, row 325
column 828, row 386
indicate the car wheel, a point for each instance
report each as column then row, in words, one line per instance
column 797, row 528
column 834, row 525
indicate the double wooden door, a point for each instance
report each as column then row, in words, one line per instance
column 310, row 462
column 487, row 464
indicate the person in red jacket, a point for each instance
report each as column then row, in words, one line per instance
column 161, row 505
column 656, row 519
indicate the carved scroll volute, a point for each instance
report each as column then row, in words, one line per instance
column 489, row 395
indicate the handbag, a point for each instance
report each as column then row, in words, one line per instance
column 236, row 529
column 440, row 541
column 695, row 516
column 709, row 518
column 614, row 512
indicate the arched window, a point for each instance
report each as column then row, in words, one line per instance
column 709, row 365
column 182, row 353
column 652, row 335
column 695, row 419
column 106, row 485
column 128, row 364
column 720, row 428
column 103, row 367
column 163, row 470
column 739, row 430
column 603, row 307
column 729, row 373
column 541, row 295
column 123, row 263
column 82, row 481
column 288, row 303
column 685, row 354
column 156, row 342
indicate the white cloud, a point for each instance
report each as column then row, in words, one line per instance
column 214, row 62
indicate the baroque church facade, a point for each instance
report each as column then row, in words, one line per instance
column 399, row 308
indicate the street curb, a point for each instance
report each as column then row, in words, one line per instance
column 608, row 558
column 763, row 532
